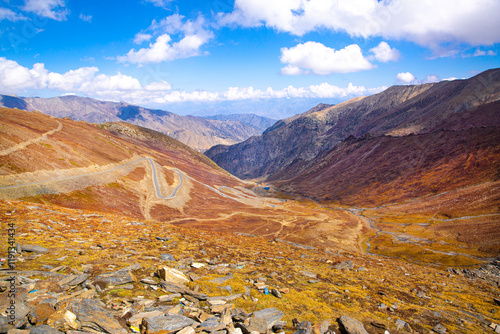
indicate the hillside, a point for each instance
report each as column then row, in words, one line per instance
column 260, row 122
column 398, row 111
column 197, row 132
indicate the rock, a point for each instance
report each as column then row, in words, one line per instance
column 136, row 319
column 167, row 257
column 439, row 329
column 93, row 315
column 171, row 275
column 169, row 298
column 264, row 319
column 400, row 325
column 34, row 249
column 211, row 325
column 166, row 324
column 321, row 327
column 351, row 326
column 40, row 313
column 346, row 265
column 44, row 329
column 276, row 293
column 187, row 330
column 149, row 280
column 63, row 320
column 122, row 276
column 309, row 274
column 378, row 325
column 304, row 327
column 173, row 288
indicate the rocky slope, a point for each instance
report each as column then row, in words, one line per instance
column 260, row 122
column 84, row 272
column 398, row 111
column 197, row 132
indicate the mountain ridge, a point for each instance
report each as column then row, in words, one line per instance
column 196, row 132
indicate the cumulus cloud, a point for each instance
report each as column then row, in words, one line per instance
column 52, row 9
column 425, row 22
column 406, row 78
column 384, row 53
column 15, row 78
column 7, row 14
column 316, row 58
column 192, row 36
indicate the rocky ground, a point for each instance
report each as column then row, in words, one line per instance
column 82, row 272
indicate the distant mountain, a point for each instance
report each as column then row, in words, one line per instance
column 260, row 122
column 199, row 133
column 405, row 142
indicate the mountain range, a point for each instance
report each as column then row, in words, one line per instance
column 405, row 142
column 199, row 133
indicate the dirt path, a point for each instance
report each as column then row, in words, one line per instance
column 24, row 144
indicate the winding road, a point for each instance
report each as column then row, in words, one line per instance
column 154, row 177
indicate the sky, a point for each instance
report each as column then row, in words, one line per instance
column 269, row 57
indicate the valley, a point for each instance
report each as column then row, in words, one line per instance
column 389, row 217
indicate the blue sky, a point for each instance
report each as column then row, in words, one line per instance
column 183, row 55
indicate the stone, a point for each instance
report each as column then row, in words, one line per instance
column 40, row 313
column 136, row 319
column 148, row 280
column 173, row 288
column 275, row 293
column 34, row 249
column 321, row 327
column 172, row 275
column 304, row 327
column 346, row 265
column 63, row 320
column 211, row 325
column 122, row 276
column 93, row 315
column 169, row 298
column 352, row 326
column 309, row 274
column 400, row 325
column 187, row 330
column 44, row 329
column 167, row 257
column 166, row 324
column 264, row 319
column 440, row 329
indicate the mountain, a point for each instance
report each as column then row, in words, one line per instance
column 259, row 122
column 199, row 133
column 397, row 112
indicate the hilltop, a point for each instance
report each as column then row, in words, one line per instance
column 199, row 133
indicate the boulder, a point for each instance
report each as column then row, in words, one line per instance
column 172, row 275
column 63, row 320
column 94, row 316
column 352, row 326
column 166, row 324
column 45, row 329
column 264, row 319
column 34, row 249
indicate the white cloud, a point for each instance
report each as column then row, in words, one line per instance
column 141, row 38
column 406, row 78
column 7, row 14
column 52, row 9
column 87, row 81
column 384, row 53
column 86, row 18
column 426, row 22
column 193, row 36
column 316, row 58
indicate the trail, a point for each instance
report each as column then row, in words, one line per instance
column 24, row 144
column 154, row 177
